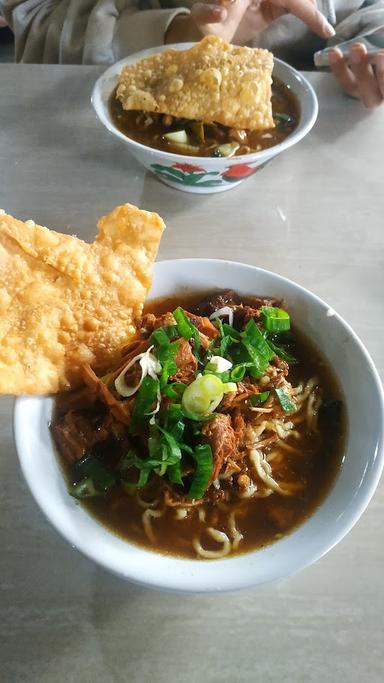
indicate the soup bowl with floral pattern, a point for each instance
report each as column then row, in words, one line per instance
column 200, row 174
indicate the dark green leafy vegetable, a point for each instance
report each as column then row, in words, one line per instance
column 174, row 474
column 225, row 343
column 287, row 405
column 96, row 479
column 187, row 330
column 92, row 467
column 253, row 352
column 162, row 335
column 231, row 332
column 255, row 336
column 184, row 327
column 256, row 399
column 275, row 319
column 144, row 401
column 204, row 465
column 219, row 324
column 282, row 352
column 160, row 458
column 173, row 447
column 282, row 118
column 174, row 390
column 166, row 354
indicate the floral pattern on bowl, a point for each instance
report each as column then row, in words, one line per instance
column 191, row 175
column 204, row 175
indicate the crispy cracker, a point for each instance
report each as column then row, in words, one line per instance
column 64, row 302
column 212, row 81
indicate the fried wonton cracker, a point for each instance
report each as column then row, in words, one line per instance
column 212, row 81
column 64, row 302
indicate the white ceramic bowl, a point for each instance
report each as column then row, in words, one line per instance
column 355, row 484
column 204, row 174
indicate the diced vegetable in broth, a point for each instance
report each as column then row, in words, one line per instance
column 198, row 138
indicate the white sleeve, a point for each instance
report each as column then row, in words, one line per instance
column 364, row 20
column 84, row 31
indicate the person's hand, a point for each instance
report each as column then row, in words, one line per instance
column 241, row 20
column 357, row 76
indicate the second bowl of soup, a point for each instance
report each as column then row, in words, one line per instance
column 208, row 158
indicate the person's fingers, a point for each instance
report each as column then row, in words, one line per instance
column 342, row 72
column 208, row 13
column 379, row 69
column 367, row 85
column 228, row 15
column 307, row 11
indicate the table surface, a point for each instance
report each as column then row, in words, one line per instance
column 314, row 215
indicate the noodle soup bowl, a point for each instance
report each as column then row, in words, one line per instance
column 199, row 174
column 356, row 481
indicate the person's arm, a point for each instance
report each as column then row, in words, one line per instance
column 355, row 72
column 84, row 31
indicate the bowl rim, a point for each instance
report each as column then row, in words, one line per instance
column 102, row 112
column 192, row 584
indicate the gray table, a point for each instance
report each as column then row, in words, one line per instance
column 314, row 215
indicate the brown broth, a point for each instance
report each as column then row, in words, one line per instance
column 262, row 520
column 284, row 102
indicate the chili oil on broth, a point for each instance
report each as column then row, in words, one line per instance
column 133, row 125
column 260, row 521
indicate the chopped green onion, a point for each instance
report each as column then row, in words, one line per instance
column 145, row 398
column 282, row 118
column 229, row 387
column 224, row 345
column 224, row 376
column 231, row 332
column 204, row 466
column 253, row 349
column 174, row 452
column 166, row 354
column 185, row 327
column 177, row 430
column 238, row 372
column 282, row 352
column 275, row 319
column 174, row 390
column 255, row 336
column 287, row 405
column 218, row 323
column 256, row 399
column 173, row 413
column 203, row 395
column 174, row 474
column 259, row 364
